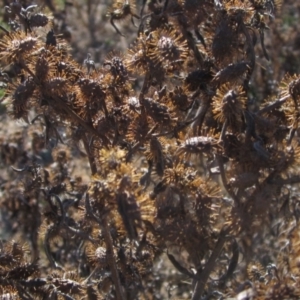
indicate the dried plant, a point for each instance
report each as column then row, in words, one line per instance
column 166, row 172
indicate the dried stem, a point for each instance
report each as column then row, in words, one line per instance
column 204, row 275
column 109, row 248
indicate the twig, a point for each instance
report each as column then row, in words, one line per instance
column 203, row 277
column 91, row 157
column 109, row 246
column 273, row 105
column 224, row 179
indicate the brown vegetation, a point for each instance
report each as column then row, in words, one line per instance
column 166, row 171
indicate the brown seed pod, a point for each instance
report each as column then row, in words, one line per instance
column 138, row 131
column 198, row 145
column 224, row 44
column 158, row 112
column 20, row 98
column 180, row 98
column 71, row 70
column 198, row 79
column 42, row 68
column 38, row 20
column 168, row 47
column 117, row 68
column 96, row 256
column 90, row 97
column 56, row 86
column 233, row 73
column 136, row 59
column 156, row 155
column 91, row 88
column 229, row 105
column 173, row 175
column 16, row 46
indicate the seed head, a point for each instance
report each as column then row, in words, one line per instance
column 117, row 68
column 16, row 46
column 229, row 105
column 168, row 47
column 38, row 20
column 42, row 68
column 233, row 73
column 22, row 94
column 137, row 59
column 56, row 86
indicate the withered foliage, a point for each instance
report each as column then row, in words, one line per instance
column 169, row 171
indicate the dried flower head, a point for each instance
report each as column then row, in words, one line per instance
column 168, row 47
column 56, row 86
column 16, row 46
column 229, row 105
column 224, row 46
column 198, row 145
column 90, row 96
column 21, row 96
column 233, row 73
column 96, row 256
column 180, row 98
column 38, row 20
column 137, row 59
column 198, row 79
column 158, row 112
column 117, row 68
column 43, row 64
